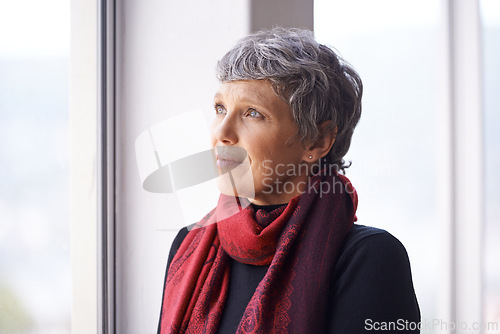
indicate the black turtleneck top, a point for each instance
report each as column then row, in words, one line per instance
column 371, row 288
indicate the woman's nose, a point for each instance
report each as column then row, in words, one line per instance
column 226, row 130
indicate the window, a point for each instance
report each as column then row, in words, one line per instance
column 35, row 280
column 418, row 152
column 490, row 11
column 395, row 151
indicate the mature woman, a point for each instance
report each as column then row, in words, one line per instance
column 292, row 261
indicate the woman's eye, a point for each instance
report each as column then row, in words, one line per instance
column 219, row 110
column 253, row 113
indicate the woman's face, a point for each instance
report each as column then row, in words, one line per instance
column 251, row 118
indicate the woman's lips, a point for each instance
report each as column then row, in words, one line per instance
column 229, row 157
column 227, row 163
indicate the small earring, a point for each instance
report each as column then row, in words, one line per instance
column 310, row 157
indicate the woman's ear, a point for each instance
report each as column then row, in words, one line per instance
column 321, row 147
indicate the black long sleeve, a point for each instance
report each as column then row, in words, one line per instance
column 371, row 286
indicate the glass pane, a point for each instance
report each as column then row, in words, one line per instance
column 395, row 149
column 490, row 11
column 35, row 281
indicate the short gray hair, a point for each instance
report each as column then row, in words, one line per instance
column 317, row 84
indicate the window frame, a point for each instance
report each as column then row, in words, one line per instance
column 106, row 167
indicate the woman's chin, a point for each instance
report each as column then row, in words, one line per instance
column 235, row 188
column 236, row 184
column 237, row 181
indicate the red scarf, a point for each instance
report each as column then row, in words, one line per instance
column 301, row 242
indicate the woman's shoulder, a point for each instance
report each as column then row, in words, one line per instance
column 361, row 234
column 372, row 278
column 179, row 238
column 370, row 244
column 366, row 248
column 181, row 235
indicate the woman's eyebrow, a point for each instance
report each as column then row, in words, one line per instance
column 254, row 98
